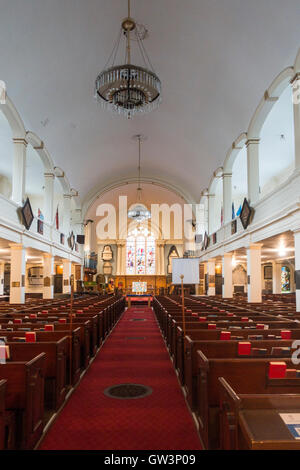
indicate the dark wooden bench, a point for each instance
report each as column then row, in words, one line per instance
column 25, row 397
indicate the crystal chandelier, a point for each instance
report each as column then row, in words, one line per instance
column 128, row 89
column 139, row 211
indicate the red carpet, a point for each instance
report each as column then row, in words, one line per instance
column 160, row 421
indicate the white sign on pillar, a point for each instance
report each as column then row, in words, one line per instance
column 17, row 274
column 227, row 276
column 48, row 273
column 254, row 273
column 66, row 276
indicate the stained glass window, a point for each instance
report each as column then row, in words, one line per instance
column 140, row 255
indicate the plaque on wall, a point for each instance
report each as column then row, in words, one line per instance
column 268, row 272
column 233, row 227
column 62, row 238
column 245, row 214
column 40, row 227
column 47, row 281
column 205, row 241
column 15, row 284
column 107, row 253
column 27, row 214
column 107, row 268
column 214, row 238
column 66, row 282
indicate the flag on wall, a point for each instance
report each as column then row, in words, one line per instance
column 239, row 211
column 57, row 219
column 221, row 215
column 232, row 211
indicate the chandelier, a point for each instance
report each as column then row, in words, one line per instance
column 128, row 89
column 139, row 211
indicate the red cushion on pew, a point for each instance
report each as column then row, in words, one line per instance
column 211, row 326
column 49, row 327
column 225, row 335
column 260, row 326
column 62, row 320
column 244, row 348
column 33, row 315
column 286, row 334
column 202, row 318
column 245, row 319
column 277, row 370
column 17, row 320
column 30, row 337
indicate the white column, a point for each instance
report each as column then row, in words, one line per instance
column 123, row 258
column 211, row 213
column 254, row 273
column 48, row 197
column 162, row 259
column 297, row 268
column 66, row 276
column 48, row 273
column 158, row 255
column 19, row 171
column 67, row 213
column 296, row 104
column 17, row 274
column 1, row 278
column 227, row 197
column 119, row 258
column 253, row 170
column 276, row 278
column 227, row 276
column 211, row 272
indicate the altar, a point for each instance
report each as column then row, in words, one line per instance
column 139, row 299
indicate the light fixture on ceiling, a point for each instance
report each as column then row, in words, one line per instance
column 281, row 249
column 139, row 211
column 128, row 89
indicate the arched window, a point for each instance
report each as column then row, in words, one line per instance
column 140, row 253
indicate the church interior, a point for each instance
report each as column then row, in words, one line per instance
column 149, row 226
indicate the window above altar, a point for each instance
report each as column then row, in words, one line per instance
column 140, row 252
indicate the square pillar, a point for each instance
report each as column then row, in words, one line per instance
column 211, row 213
column 253, row 169
column 227, row 276
column 48, row 273
column 296, row 105
column 211, row 272
column 1, row 278
column 48, row 197
column 67, row 276
column 17, row 274
column 254, row 273
column 276, row 278
column 19, row 170
column 227, row 197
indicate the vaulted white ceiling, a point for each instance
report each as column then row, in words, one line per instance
column 215, row 59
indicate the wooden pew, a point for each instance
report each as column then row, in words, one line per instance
column 221, row 349
column 55, row 367
column 252, row 421
column 25, row 397
column 248, row 375
column 48, row 336
column 2, row 413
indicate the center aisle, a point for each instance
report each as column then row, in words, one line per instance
column 134, row 353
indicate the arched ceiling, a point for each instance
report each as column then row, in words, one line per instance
column 215, row 59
